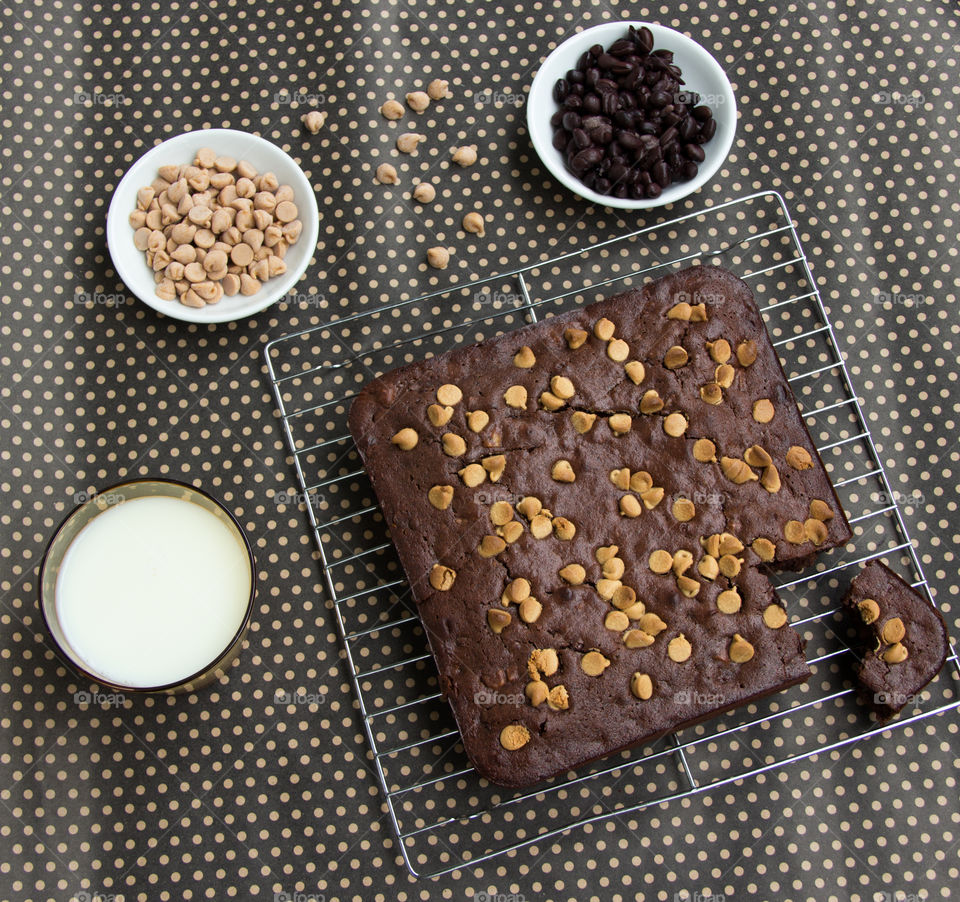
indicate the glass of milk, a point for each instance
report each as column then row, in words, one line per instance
column 148, row 586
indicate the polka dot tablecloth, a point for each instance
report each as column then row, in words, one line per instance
column 848, row 109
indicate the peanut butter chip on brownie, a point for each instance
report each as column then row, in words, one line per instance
column 618, row 350
column 661, row 561
column 491, row 546
column 583, row 422
column 549, row 401
column 675, row 424
column 770, row 479
column 708, row 567
column 607, row 588
column 764, row 549
column 442, row 578
column 501, row 512
column 684, row 510
column 529, row 506
column 536, row 692
column 869, row 610
column 704, row 450
column 616, row 621
column 524, row 358
column 637, row 639
column 614, row 567
column 574, row 338
column 472, row 475
column 681, row 311
column 675, row 357
column 562, row 387
column 449, row 394
column 799, row 458
column 593, row 663
column 820, row 510
column 641, row 686
column 544, row 660
column 541, row 526
column 682, row 561
column 498, row 619
column 510, row 532
column 518, row 589
column 892, row 631
column 516, row 397
column 896, row 654
column 763, row 410
column 651, row 624
column 741, row 651
column 562, row 471
column 679, row 649
column 441, row 496
column 406, row 439
column 514, row 736
column 604, row 329
column 757, row 457
column 635, row 371
column 574, row 574
column 621, row 478
column 794, row 532
column 605, row 552
column 477, row 420
column 719, row 350
column 652, row 497
column 453, row 444
column 651, row 402
column 530, row 610
column 711, row 393
column 815, row 531
column 747, row 352
column 439, row 416
column 688, row 587
column 774, row 616
column 620, row 423
column 736, row 470
column 728, row 601
column 640, row 482
column 558, row 699
column 564, row 528
column 724, row 375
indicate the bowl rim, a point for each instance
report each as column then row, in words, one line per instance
column 540, row 89
column 117, row 219
column 193, row 677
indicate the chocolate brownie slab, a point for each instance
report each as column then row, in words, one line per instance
column 584, row 508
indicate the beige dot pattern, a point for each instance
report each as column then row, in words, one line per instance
column 848, row 110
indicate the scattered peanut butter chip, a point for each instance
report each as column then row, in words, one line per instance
column 440, row 496
column 635, row 371
column 583, row 422
column 635, row 611
column 536, row 692
column 688, row 586
column 652, row 497
column 711, row 393
column 820, row 510
column 764, row 549
column 439, row 416
column 516, row 397
column 746, row 352
column 679, row 649
column 529, row 506
column 442, row 578
column 724, row 375
column 491, row 546
column 498, row 619
column 544, row 660
column 562, row 387
column 478, row 420
column 621, row 478
column 675, row 424
column 515, row 735
column 574, row 338
column 640, row 482
column 651, row 402
column 604, row 329
column 740, row 651
column 675, row 357
column 501, row 512
column 641, row 686
column 892, row 630
column 652, row 624
column 763, row 410
column 541, row 526
column 625, row 599
column 660, row 561
column 711, row 544
column 708, row 567
column 607, row 588
column 629, row 507
column 774, row 616
column 728, row 543
column 558, row 699
column 719, row 350
column 510, row 532
column 574, row 574
column 869, row 610
column 406, row 439
column 494, row 465
column 449, row 394
column 549, row 401
column 736, row 470
column 620, row 423
column 729, row 565
column 757, row 457
column 453, row 444
column 564, row 528
column 616, row 621
column 815, row 530
column 524, row 358
column 684, row 510
column 593, row 663
column 605, row 552
column 794, row 532
column 896, row 654
column 728, row 601
column 562, row 471
column 698, row 313
column 637, row 639
column 799, row 458
column 618, row 350
column 614, row 568
column 530, row 610
column 770, row 479
column 681, row 311
column 682, row 561
column 704, row 450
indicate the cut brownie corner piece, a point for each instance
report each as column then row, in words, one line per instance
column 901, row 639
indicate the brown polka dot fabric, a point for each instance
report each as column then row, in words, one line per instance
column 262, row 786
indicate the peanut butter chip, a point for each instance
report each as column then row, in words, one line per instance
column 574, row 574
column 583, row 422
column 442, row 578
column 711, row 393
column 651, row 402
column 896, row 654
column 704, row 451
column 764, row 549
column 719, row 350
column 593, row 663
column 449, row 394
column 501, row 512
column 869, row 610
column 510, row 532
column 498, row 619
column 794, row 532
column 607, row 588
column 439, row 416
column 675, row 357
column 516, row 397
column 620, row 423
column 529, row 507
column 637, row 639
column 524, row 358
column 740, row 651
column 562, row 387
column 604, row 329
column 820, row 510
column 544, row 660
column 440, row 496
column 774, row 616
column 727, row 543
column 616, row 621
column 453, row 444
column 536, row 692
column 530, row 610
column 478, row 420
column 514, row 736
column 494, row 465
column 747, row 352
column 757, row 457
column 737, row 470
column 680, row 311
column 605, row 552
column 728, row 601
column 815, row 531
column 491, row 546
column 679, row 649
column 729, row 565
column 549, row 401
column 641, row 686
column 652, row 497
column 564, row 528
column 614, row 568
column 892, row 631
column 724, row 375
column 618, row 350
column 541, row 526
column 574, row 338
column 661, row 561
column 635, row 371
column 640, row 482
column 621, row 478
column 652, row 624
column 635, row 611
column 763, row 410
column 799, row 458
column 675, row 424
column 684, row 510
column 688, row 587
column 562, row 471
column 708, row 567
column 406, row 439
column 682, row 561
column 558, row 699
column 770, row 479
column 473, row 475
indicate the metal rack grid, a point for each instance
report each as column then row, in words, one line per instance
column 444, row 815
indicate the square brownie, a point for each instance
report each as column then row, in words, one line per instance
column 585, row 508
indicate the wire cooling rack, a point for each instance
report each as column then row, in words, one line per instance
column 445, row 816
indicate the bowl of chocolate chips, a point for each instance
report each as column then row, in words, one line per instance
column 632, row 115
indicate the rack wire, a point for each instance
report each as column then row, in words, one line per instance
column 444, row 815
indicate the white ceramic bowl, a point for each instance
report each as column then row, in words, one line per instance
column 131, row 264
column 701, row 73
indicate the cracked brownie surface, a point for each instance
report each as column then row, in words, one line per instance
column 584, row 509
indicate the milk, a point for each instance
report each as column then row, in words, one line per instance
column 152, row 590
